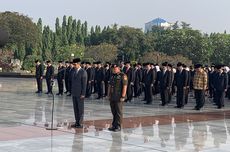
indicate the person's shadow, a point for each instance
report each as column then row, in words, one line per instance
column 116, row 145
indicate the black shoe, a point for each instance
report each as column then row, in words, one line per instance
column 98, row 98
column 163, row 104
column 69, row 95
column 111, row 128
column 76, row 126
column 66, row 92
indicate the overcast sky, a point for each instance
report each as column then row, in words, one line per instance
column 205, row 15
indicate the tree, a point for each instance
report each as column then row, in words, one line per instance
column 175, row 26
column 64, row 32
column 40, row 28
column 23, row 33
column 64, row 53
column 185, row 25
column 103, row 52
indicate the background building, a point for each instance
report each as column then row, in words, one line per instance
column 157, row 22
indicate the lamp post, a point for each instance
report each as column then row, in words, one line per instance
column 72, row 56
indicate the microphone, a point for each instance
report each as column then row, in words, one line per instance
column 4, row 37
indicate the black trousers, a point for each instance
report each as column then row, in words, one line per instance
column 88, row 89
column 220, row 98
column 49, row 87
column 228, row 93
column 200, row 98
column 78, row 107
column 211, row 90
column 67, row 87
column 180, row 97
column 137, row 88
column 186, row 95
column 164, row 96
column 106, row 87
column 39, row 84
column 117, row 111
column 70, row 86
column 60, row 86
column 149, row 93
column 100, row 89
column 129, row 92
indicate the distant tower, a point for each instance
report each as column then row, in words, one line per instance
column 157, row 22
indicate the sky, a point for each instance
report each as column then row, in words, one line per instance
column 204, row 15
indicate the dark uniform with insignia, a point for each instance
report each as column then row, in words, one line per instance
column 117, row 82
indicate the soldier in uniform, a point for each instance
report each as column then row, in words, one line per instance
column 60, row 78
column 49, row 76
column 117, row 91
column 39, row 76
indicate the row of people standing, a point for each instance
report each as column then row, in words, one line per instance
column 148, row 78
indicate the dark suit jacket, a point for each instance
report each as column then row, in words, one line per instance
column 79, row 83
column 61, row 73
column 149, row 77
column 221, row 82
column 108, row 74
column 138, row 76
column 100, row 74
column 39, row 71
column 130, row 75
column 181, row 79
column 50, row 72
column 67, row 73
column 89, row 74
column 164, row 80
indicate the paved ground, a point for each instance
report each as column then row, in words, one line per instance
column 24, row 116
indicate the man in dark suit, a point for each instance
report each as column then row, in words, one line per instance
column 108, row 74
column 60, row 78
column 79, row 84
column 181, row 79
column 131, row 78
column 89, row 79
column 138, row 79
column 164, row 84
column 67, row 75
column 148, row 83
column 171, row 75
column 49, row 76
column 70, row 78
column 39, row 76
column 220, row 86
column 100, row 77
column 188, row 79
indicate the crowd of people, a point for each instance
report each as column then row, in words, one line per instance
column 123, row 82
column 148, row 79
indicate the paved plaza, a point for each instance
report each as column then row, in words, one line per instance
column 24, row 117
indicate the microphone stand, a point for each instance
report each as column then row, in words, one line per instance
column 52, row 113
